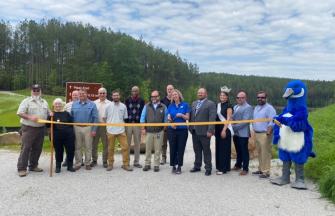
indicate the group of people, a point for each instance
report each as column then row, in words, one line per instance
column 83, row 140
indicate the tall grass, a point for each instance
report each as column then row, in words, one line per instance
column 322, row 168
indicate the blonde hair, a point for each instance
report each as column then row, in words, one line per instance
column 58, row 100
column 181, row 98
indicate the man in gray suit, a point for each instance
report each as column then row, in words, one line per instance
column 203, row 110
column 242, row 111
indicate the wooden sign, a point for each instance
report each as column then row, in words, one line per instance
column 91, row 88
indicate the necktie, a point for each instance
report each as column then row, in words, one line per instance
column 198, row 106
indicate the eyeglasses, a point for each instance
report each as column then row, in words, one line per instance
column 240, row 97
column 261, row 97
column 154, row 96
column 36, row 90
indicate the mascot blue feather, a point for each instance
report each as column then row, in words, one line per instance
column 295, row 135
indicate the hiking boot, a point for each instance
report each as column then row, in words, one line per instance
column 127, row 168
column 23, row 173
column 36, row 169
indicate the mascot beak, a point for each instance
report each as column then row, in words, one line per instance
column 288, row 93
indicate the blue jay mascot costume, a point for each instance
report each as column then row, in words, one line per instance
column 293, row 135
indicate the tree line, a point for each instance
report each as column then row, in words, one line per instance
column 51, row 53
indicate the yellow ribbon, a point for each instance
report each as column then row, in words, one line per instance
column 42, row 121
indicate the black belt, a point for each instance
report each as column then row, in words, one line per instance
column 260, row 131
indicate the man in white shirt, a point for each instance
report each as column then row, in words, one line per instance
column 116, row 112
column 74, row 97
column 102, row 102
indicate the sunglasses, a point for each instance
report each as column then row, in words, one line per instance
column 154, row 96
column 240, row 97
column 36, row 90
column 261, row 97
column 102, row 92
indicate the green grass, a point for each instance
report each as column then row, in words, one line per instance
column 322, row 168
column 10, row 103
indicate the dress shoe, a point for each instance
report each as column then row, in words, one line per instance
column 127, row 168
column 146, row 168
column 105, row 165
column 138, row 165
column 178, row 171
column 163, row 161
column 243, row 173
column 219, row 173
column 193, row 170
column 110, row 168
column 77, row 167
column 174, row 169
column 88, row 167
column 70, row 169
column 64, row 164
column 36, row 169
column 156, row 168
column 257, row 173
column 208, row 173
column 57, row 170
column 236, row 168
column 264, row 175
column 93, row 163
column 23, row 173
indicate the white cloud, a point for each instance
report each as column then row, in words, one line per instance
column 272, row 37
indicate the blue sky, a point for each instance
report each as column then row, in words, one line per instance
column 282, row 38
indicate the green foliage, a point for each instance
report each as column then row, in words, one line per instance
column 321, row 169
column 320, row 93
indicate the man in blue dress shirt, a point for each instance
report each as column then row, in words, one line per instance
column 84, row 111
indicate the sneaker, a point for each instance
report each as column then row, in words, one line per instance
column 219, row 173
column 88, row 167
column 127, row 168
column 23, row 173
column 146, row 168
column 93, row 163
column 156, row 168
column 36, row 169
column 110, row 168
column 138, row 165
column 257, row 173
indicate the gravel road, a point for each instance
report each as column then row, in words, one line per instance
column 118, row 192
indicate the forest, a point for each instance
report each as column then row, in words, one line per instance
column 52, row 52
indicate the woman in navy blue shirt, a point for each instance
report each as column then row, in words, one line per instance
column 178, row 111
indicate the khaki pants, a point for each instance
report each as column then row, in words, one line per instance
column 122, row 138
column 101, row 134
column 83, row 143
column 136, row 133
column 263, row 146
column 153, row 140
